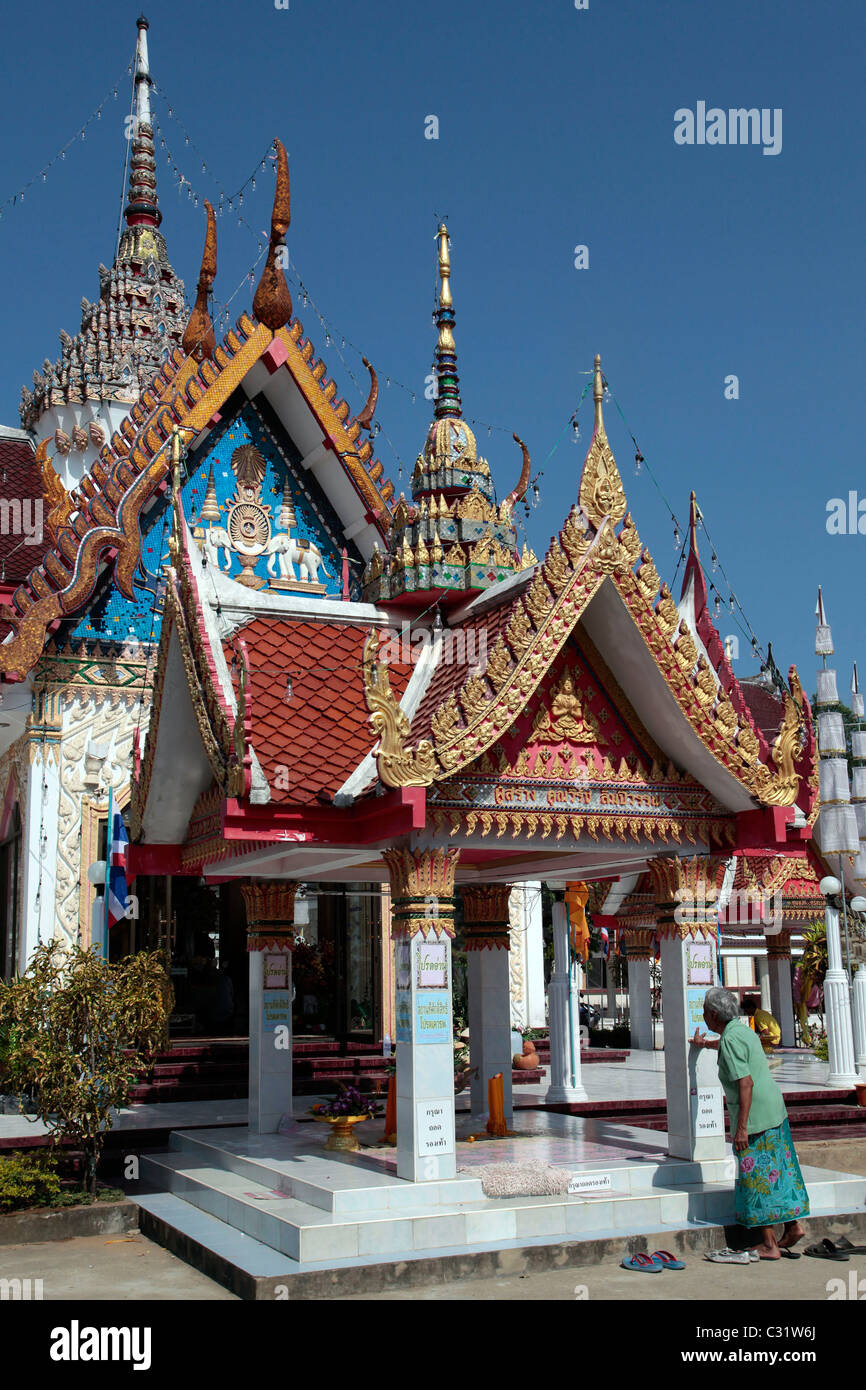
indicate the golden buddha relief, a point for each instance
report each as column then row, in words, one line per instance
column 566, row 720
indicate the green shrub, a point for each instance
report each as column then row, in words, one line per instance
column 28, row 1180
column 821, row 1050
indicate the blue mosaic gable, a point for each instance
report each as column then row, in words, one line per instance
column 110, row 617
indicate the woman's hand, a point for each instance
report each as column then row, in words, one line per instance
column 741, row 1139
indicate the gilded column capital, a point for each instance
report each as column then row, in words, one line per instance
column 687, row 894
column 640, row 943
column 486, row 916
column 422, row 890
column 270, row 909
column 779, row 946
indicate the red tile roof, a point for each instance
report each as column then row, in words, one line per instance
column 766, row 708
column 465, row 648
column 19, row 482
column 323, row 733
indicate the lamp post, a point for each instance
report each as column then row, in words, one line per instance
column 858, row 1001
column 837, row 999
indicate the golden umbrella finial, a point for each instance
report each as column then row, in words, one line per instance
column 445, row 300
column 598, row 392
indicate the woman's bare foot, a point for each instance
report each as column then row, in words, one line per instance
column 792, row 1233
column 768, row 1249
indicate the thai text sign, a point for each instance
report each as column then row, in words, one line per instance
column 276, row 1009
column 432, row 965
column 432, row 1017
column 699, row 962
column 435, row 1126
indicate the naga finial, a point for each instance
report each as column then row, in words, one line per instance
column 198, row 340
column 365, row 418
column 272, row 304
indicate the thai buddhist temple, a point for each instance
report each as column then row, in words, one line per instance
column 362, row 742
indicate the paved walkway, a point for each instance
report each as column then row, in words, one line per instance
column 640, row 1077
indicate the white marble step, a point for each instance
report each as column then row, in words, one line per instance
column 308, row 1233
column 326, row 1181
column 319, row 1180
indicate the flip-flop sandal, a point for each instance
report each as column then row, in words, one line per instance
column 826, row 1251
column 728, row 1257
column 789, row 1254
column 843, row 1244
column 641, row 1264
column 667, row 1260
column 753, row 1258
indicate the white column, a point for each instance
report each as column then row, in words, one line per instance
column 39, row 834
column 425, row 1059
column 640, row 1002
column 533, row 954
column 696, row 1128
column 565, row 1081
column 762, row 974
column 270, row 1099
column 489, row 1025
column 837, row 1006
column 781, row 991
column 859, row 1019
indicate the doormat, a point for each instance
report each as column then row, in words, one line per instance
column 520, row 1179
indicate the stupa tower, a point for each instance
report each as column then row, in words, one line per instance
column 128, row 332
column 452, row 540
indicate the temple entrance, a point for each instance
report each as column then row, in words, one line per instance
column 337, row 962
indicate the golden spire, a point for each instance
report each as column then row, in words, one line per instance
column 448, row 382
column 445, row 300
column 598, row 392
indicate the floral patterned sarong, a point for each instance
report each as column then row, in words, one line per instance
column 770, row 1186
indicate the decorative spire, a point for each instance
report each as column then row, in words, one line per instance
column 198, row 340
column 693, row 572
column 837, row 821
column 823, row 637
column 448, row 393
column 272, row 304
column 601, row 494
column 210, row 510
column 142, row 209
column 857, row 708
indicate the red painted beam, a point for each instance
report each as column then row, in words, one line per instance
column 768, row 829
column 155, row 859
column 373, row 818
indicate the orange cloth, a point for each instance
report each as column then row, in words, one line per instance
column 496, row 1105
column 576, row 895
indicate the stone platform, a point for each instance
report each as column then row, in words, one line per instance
column 257, row 1211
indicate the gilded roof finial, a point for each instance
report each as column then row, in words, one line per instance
column 598, row 392
column 177, row 509
column 198, row 339
column 272, row 304
column 448, row 382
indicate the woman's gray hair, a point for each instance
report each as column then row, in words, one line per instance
column 723, row 1003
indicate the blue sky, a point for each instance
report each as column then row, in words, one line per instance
column 556, row 130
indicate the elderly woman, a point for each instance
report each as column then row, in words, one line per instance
column 769, row 1188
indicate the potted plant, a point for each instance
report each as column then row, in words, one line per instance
column 346, row 1110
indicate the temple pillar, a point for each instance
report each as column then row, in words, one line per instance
column 422, row 919
column 564, row 1008
column 686, row 894
column 639, row 951
column 270, row 909
column 610, row 983
column 762, row 979
column 837, row 1008
column 486, row 926
column 781, row 985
